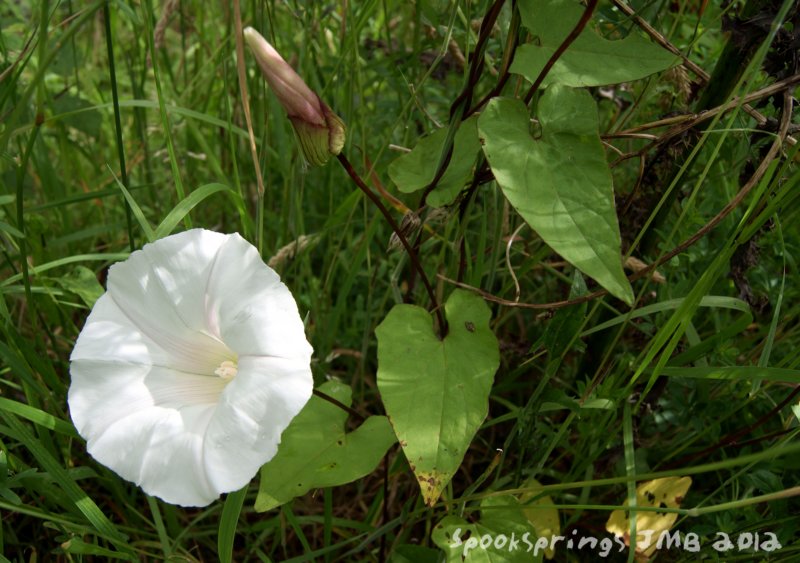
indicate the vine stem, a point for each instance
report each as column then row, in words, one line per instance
column 735, row 437
column 403, row 240
column 349, row 410
column 460, row 108
column 573, row 35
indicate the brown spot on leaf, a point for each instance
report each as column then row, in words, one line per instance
column 431, row 484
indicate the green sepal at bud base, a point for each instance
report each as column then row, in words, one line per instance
column 320, row 142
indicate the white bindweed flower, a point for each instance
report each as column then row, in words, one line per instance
column 190, row 367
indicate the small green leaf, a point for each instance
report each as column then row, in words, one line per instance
column 507, row 535
column 316, row 451
column 228, row 522
column 66, row 58
column 138, row 214
column 82, row 282
column 5, row 492
column 597, row 403
column 590, row 60
column 434, row 10
column 39, row 417
column 12, row 231
column 436, row 392
column 560, row 183
column 415, row 170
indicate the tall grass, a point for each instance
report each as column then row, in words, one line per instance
column 589, row 399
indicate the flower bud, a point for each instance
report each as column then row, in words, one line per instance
column 320, row 131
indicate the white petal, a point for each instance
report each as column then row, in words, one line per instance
column 253, row 411
column 144, row 392
column 257, row 314
column 161, row 290
column 147, row 424
column 110, row 335
column 102, row 392
column 183, row 264
column 160, row 449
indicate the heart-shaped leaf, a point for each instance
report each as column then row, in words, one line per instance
column 502, row 535
column 560, row 183
column 436, row 392
column 590, row 60
column 316, row 451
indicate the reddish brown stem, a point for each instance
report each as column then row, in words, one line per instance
column 733, row 438
column 351, row 411
column 573, row 35
column 396, row 228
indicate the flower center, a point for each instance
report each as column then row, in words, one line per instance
column 227, row 370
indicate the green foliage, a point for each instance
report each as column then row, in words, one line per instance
column 316, row 451
column 541, row 378
column 503, row 522
column 436, row 390
column 82, row 282
column 566, row 323
column 591, row 60
column 560, row 182
column 417, row 169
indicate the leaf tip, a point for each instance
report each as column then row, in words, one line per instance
column 431, row 483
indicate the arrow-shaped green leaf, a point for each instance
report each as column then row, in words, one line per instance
column 560, row 183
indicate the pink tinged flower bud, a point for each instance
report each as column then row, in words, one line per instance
column 320, row 131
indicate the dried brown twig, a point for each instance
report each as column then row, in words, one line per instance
column 686, row 62
column 683, row 123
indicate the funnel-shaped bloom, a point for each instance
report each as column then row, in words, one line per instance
column 320, row 131
column 190, row 367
